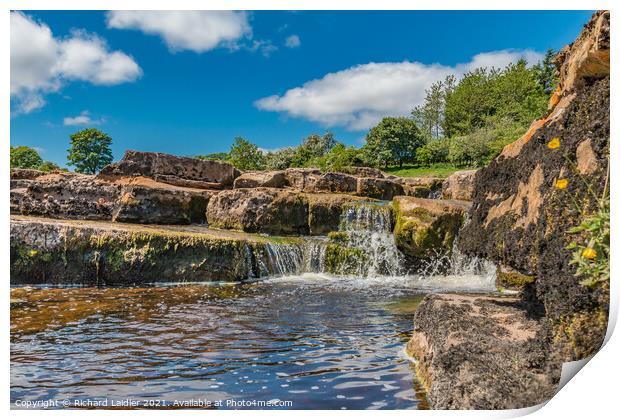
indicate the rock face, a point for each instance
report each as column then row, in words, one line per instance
column 161, row 205
column 426, row 228
column 265, row 210
column 520, row 217
column 175, row 170
column 106, row 253
column 277, row 211
column 478, row 352
column 382, row 189
column 459, row 185
column 423, row 187
column 272, row 179
column 315, row 181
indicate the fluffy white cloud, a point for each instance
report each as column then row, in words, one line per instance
column 292, row 41
column 198, row 31
column 83, row 119
column 358, row 97
column 41, row 63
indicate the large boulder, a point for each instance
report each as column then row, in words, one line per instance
column 425, row 228
column 481, row 353
column 521, row 214
column 66, row 195
column 175, row 170
column 459, row 185
column 161, row 204
column 379, row 188
column 264, row 210
column 315, row 181
column 423, row 187
column 271, row 179
column 366, row 172
column 324, row 211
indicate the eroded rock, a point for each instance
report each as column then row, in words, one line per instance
column 271, row 179
column 426, row 228
column 382, row 189
column 459, row 185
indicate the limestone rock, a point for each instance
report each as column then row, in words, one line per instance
column 264, row 210
column 459, row 185
column 314, row 181
column 324, row 211
column 382, row 189
column 176, row 170
column 482, row 353
column 425, row 227
column 272, row 179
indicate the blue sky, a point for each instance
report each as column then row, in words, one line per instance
column 189, row 83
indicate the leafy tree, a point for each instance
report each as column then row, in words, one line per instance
column 393, row 140
column 223, row 156
column 90, row 150
column 314, row 146
column 48, row 166
column 280, row 159
column 341, row 159
column 546, row 72
column 245, row 155
column 25, row 157
column 435, row 151
column 429, row 116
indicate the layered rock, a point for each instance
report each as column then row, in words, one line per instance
column 277, row 211
column 379, row 188
column 106, row 253
column 175, row 170
column 476, row 352
column 423, row 187
column 459, row 185
column 427, row 228
column 315, row 181
column 271, row 179
column 521, row 214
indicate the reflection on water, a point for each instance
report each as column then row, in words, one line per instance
column 321, row 343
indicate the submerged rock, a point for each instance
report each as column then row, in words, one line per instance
column 459, row 185
column 482, row 353
column 427, row 228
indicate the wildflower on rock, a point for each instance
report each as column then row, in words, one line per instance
column 589, row 253
column 561, row 183
column 554, row 143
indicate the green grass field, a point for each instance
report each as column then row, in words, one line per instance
column 438, row 170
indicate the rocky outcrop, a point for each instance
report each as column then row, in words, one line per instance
column 175, row 170
column 277, row 211
column 265, row 210
column 105, row 253
column 459, row 185
column 379, row 188
column 271, row 179
column 164, row 204
column 545, row 183
column 314, row 181
column 427, row 228
column 479, row 352
column 423, row 187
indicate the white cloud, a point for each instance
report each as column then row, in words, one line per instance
column 358, row 97
column 41, row 63
column 292, row 41
column 197, row 31
column 82, row 119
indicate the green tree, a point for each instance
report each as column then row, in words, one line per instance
column 245, row 155
column 48, row 166
column 90, row 150
column 393, row 140
column 280, row 159
column 341, row 159
column 214, row 156
column 314, row 146
column 429, row 116
column 25, row 157
column 546, row 72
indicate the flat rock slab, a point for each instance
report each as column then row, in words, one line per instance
column 481, row 352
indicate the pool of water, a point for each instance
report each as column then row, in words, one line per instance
column 302, row 342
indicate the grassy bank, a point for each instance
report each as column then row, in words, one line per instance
column 439, row 170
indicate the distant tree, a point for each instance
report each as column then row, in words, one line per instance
column 314, row 146
column 546, row 72
column 48, row 166
column 90, row 150
column 214, row 156
column 25, row 157
column 245, row 155
column 341, row 159
column 280, row 159
column 393, row 140
column 429, row 115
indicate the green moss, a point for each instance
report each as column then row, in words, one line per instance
column 582, row 333
column 513, row 280
column 343, row 260
column 338, row 237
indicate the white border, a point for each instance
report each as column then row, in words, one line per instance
column 591, row 394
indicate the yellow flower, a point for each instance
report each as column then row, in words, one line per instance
column 554, row 143
column 561, row 183
column 589, row 253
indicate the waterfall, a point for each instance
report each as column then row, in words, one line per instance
column 368, row 228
